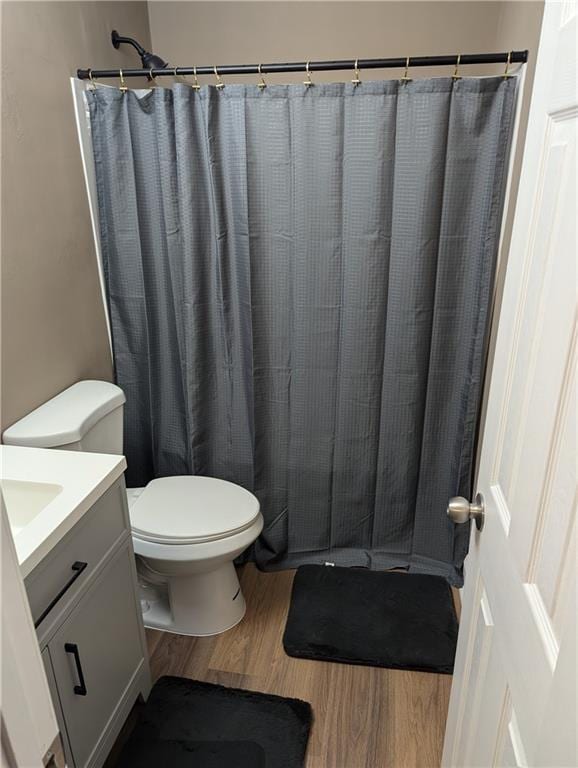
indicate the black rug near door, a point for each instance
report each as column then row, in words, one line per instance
column 379, row 619
column 189, row 724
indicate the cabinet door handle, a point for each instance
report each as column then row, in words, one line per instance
column 72, row 648
column 78, row 568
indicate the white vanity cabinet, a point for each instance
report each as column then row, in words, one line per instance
column 85, row 604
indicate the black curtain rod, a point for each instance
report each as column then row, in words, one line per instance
column 516, row 57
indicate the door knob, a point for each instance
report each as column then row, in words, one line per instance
column 460, row 510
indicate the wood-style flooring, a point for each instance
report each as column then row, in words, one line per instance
column 364, row 717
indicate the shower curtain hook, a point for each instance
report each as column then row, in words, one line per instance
column 261, row 84
column 456, row 76
column 309, row 81
column 152, row 78
column 508, row 61
column 122, row 88
column 356, row 80
column 92, row 82
column 196, row 85
column 406, row 78
column 220, row 84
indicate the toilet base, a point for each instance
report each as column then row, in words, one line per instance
column 199, row 604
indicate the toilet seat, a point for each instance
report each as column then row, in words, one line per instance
column 190, row 509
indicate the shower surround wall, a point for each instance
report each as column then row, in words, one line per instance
column 299, row 284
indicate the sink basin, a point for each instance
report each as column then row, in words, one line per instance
column 25, row 501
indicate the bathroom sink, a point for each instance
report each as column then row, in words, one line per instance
column 25, row 500
column 46, row 492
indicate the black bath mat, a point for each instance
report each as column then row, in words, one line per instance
column 379, row 619
column 189, row 724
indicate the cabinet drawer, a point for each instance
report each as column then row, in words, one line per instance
column 59, row 577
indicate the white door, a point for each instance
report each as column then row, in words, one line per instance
column 513, row 699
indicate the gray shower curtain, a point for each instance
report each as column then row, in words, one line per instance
column 299, row 284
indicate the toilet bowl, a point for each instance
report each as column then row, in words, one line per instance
column 187, row 530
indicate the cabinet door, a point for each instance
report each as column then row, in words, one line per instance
column 57, row 710
column 96, row 653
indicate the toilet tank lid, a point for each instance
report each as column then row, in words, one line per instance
column 67, row 417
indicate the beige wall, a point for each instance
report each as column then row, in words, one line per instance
column 198, row 33
column 53, row 324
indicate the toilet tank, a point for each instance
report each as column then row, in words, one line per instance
column 88, row 416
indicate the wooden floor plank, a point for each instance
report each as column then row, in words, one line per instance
column 365, row 717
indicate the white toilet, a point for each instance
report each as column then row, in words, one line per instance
column 187, row 530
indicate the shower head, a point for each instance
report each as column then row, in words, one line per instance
column 149, row 60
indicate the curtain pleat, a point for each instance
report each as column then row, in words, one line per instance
column 299, row 284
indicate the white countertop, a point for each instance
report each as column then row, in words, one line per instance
column 83, row 477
